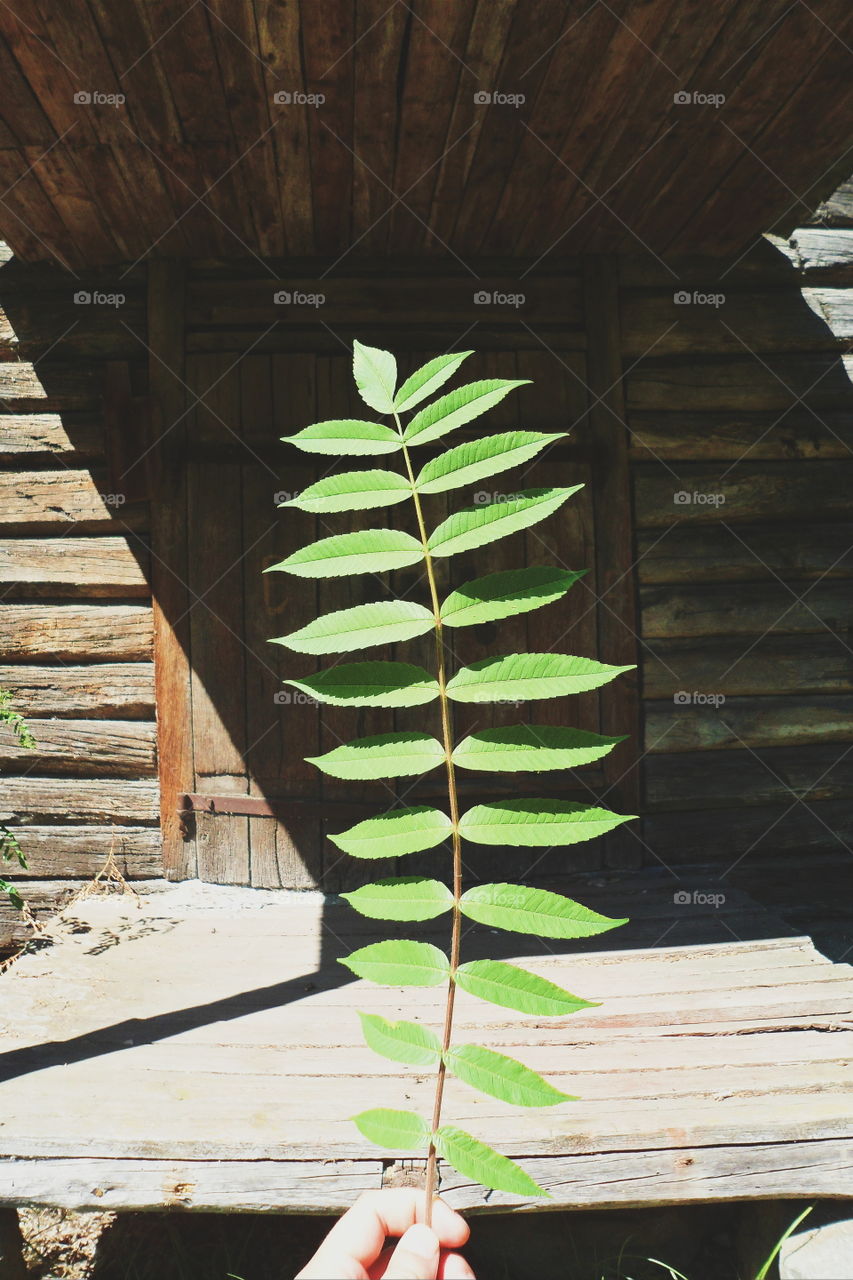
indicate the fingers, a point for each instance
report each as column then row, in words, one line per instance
column 454, row 1267
column 362, row 1231
column 416, row 1256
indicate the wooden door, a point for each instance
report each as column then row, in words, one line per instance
column 267, row 809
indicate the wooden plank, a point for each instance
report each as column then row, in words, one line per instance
column 617, row 603
column 91, row 567
column 47, row 499
column 169, row 568
column 279, row 29
column 753, row 492
column 366, row 299
column 743, row 609
column 100, row 690
column 684, row 321
column 767, row 263
column 740, row 385
column 751, row 722
column 74, row 632
column 725, row 836
column 119, row 748
column 55, row 386
column 79, row 800
column 215, row 564
column 775, row 664
column 72, row 852
column 823, row 254
column 49, row 433
column 734, row 437
column 693, row 779
column 802, row 551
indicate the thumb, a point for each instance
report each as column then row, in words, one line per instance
column 416, row 1256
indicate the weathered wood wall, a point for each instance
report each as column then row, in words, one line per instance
column 739, row 400
column 75, row 610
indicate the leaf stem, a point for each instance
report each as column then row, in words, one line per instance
column 456, row 930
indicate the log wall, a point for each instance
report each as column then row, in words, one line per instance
column 75, row 608
column 739, row 396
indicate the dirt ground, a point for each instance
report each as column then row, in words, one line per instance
column 699, row 1242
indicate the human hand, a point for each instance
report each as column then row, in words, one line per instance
column 356, row 1248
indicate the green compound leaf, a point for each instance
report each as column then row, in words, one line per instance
column 458, row 407
column 392, row 834
column 400, row 963
column 481, row 1163
column 385, row 622
column 503, row 595
column 476, row 526
column 401, row 1041
column 352, row 491
column 527, row 910
column 514, row 988
column 370, row 684
column 397, row 1130
column 401, row 898
column 537, row 822
column 531, row 747
column 383, row 755
column 477, row 459
column 375, row 373
column 524, row 677
column 503, row 1077
column 346, row 435
column 364, row 551
column 427, row 379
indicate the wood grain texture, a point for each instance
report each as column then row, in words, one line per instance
column 78, row 853
column 49, row 433
column 170, row 574
column 804, row 551
column 770, row 664
column 772, row 775
column 74, row 632
column 97, row 690
column 747, row 722
column 89, row 567
column 51, row 499
column 740, row 437
column 750, row 492
column 728, row 1055
column 80, row 800
column 122, row 748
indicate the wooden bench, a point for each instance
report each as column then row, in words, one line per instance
column 198, row 1048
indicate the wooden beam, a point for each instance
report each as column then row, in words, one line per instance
column 169, row 573
column 614, row 554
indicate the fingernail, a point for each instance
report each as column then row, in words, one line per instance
column 421, row 1241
